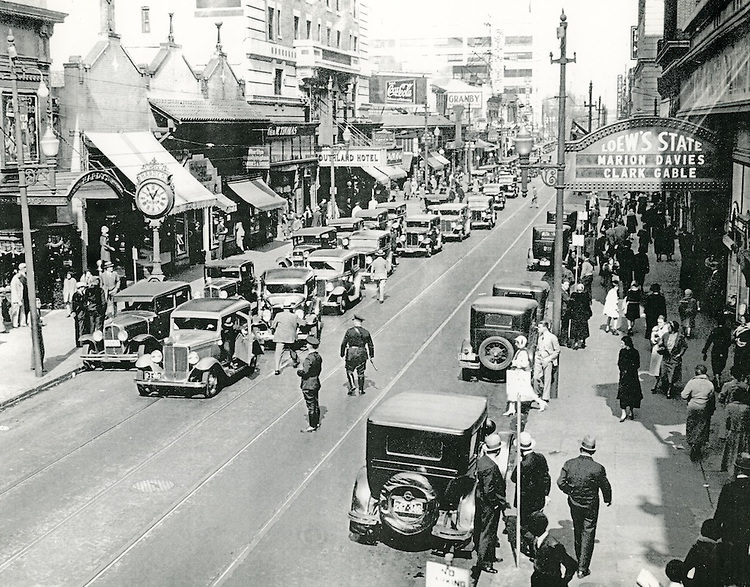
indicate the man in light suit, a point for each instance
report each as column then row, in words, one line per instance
column 545, row 360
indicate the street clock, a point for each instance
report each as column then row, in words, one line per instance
column 154, row 195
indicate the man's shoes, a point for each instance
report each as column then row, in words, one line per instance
column 361, row 392
column 351, row 392
column 583, row 573
column 277, row 372
column 488, row 569
column 311, row 429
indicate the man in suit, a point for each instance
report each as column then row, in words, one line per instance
column 545, row 360
column 581, row 479
column 535, row 482
column 549, row 556
column 310, row 383
column 733, row 513
column 490, row 503
column 354, row 348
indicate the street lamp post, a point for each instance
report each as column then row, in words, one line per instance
column 49, row 145
column 332, row 100
column 524, row 143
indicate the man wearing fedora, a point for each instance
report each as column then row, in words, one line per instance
column 581, row 479
column 490, row 503
column 110, row 285
column 284, row 327
column 356, row 347
column 379, row 273
column 535, row 480
column 733, row 513
column 309, row 375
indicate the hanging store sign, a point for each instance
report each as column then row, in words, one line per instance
column 353, row 157
column 258, row 157
column 645, row 153
column 401, row 91
column 471, row 99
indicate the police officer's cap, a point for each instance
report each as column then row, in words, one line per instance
column 356, row 318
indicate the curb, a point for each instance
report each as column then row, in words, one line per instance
column 43, row 386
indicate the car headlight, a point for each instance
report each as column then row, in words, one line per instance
column 329, row 286
column 266, row 315
column 306, row 254
column 223, row 294
column 156, row 356
column 98, row 336
column 300, row 313
column 193, row 358
column 421, row 238
column 122, row 336
column 345, row 242
column 368, row 259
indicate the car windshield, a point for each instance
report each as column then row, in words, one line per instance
column 417, row 224
column 285, row 288
column 326, row 265
column 305, row 240
column 216, row 272
column 415, row 443
column 546, row 234
column 195, row 324
column 144, row 306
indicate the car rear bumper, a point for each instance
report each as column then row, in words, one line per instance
column 470, row 361
column 450, row 533
column 363, row 518
column 475, row 223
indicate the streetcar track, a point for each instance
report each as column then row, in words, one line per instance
column 378, row 398
column 133, row 542
column 194, row 426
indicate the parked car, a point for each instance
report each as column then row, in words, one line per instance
column 374, row 219
column 532, row 290
column 494, row 323
column 307, row 240
column 338, row 275
column 138, row 327
column 542, row 252
column 421, row 235
column 230, row 277
column 345, row 227
column 288, row 285
column 454, row 220
column 441, row 196
column 396, row 216
column 372, row 242
column 209, row 346
column 508, row 184
column 481, row 211
column 419, row 476
column 497, row 193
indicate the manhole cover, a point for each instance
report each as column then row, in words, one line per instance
column 153, row 485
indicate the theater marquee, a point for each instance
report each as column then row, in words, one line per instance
column 645, row 154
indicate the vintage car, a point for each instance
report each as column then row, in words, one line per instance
column 494, row 324
column 420, row 473
column 494, row 191
column 338, row 275
column 454, row 220
column 508, row 184
column 374, row 219
column 421, row 235
column 230, row 277
column 372, row 242
column 307, row 240
column 542, row 252
column 344, row 228
column 293, row 286
column 140, row 324
column 396, row 216
column 441, row 196
column 481, row 211
column 532, row 290
column 209, row 346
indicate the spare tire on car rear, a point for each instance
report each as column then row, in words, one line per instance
column 496, row 353
column 408, row 504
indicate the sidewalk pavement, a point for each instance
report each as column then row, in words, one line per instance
column 61, row 355
column 660, row 497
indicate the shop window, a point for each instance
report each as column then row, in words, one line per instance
column 180, row 236
column 271, row 20
column 277, row 82
column 29, row 129
column 145, row 19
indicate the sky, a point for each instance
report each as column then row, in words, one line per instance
column 598, row 32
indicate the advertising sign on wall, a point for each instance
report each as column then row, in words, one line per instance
column 258, row 157
column 354, row 157
column 400, row 91
column 471, row 99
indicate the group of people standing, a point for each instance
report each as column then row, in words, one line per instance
column 91, row 299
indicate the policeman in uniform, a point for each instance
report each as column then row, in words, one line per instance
column 310, row 383
column 354, row 347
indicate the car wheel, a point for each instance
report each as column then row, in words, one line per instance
column 466, row 374
column 88, row 366
column 212, row 382
column 495, row 353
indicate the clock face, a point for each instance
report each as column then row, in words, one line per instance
column 154, row 199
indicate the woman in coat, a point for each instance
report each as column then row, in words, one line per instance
column 738, row 429
column 700, row 393
column 612, row 307
column 671, row 348
column 657, row 333
column 633, row 298
column 580, row 312
column 629, row 386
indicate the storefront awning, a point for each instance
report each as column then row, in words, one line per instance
column 392, row 171
column 256, row 193
column 377, row 175
column 439, row 157
column 130, row 151
column 406, row 161
column 482, row 144
column 434, row 163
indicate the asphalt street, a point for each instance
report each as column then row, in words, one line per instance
column 105, row 487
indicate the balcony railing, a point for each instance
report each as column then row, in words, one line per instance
column 257, row 48
column 668, row 51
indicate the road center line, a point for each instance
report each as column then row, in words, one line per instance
column 285, row 506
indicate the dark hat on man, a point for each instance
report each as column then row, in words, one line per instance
column 312, row 341
column 655, row 287
column 588, row 444
column 357, row 318
column 742, row 464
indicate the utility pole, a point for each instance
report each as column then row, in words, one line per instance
column 590, row 104
column 332, row 101
column 426, row 172
column 559, row 187
column 599, row 113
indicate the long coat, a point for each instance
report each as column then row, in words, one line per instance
column 580, row 312
column 629, row 386
column 738, row 434
column 490, row 501
column 535, row 483
column 654, row 305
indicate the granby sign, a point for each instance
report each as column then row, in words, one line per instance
column 644, row 154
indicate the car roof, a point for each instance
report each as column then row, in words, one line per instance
column 391, row 205
column 431, row 411
column 369, row 233
column 566, row 227
column 344, row 221
column 505, row 304
column 292, row 274
column 371, row 213
column 233, row 261
column 314, row 230
column 450, row 206
column 421, row 217
column 145, row 290
column 477, row 198
column 515, row 283
column 332, row 254
column 206, row 307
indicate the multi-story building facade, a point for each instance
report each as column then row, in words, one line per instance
column 643, row 94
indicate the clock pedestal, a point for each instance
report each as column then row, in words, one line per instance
column 156, row 273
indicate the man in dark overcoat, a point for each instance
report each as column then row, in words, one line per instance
column 309, row 375
column 535, row 485
column 549, row 556
column 489, row 503
column 356, row 346
column 654, row 305
column 733, row 513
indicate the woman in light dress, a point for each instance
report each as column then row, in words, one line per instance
column 657, row 333
column 521, row 364
column 612, row 307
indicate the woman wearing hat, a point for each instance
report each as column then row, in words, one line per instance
column 580, row 312
column 611, row 309
column 518, row 379
column 629, row 386
column 633, row 299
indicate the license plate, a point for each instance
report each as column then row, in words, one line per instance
column 150, row 375
column 111, row 343
column 410, row 508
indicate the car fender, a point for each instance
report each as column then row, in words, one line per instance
column 144, row 362
column 338, row 291
column 364, row 507
column 147, row 340
column 284, row 262
column 205, row 364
